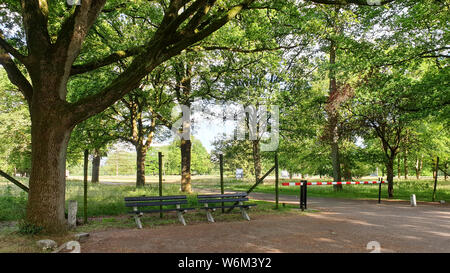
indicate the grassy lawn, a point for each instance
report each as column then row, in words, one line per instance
column 106, row 210
column 423, row 189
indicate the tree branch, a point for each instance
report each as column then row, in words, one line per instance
column 357, row 2
column 35, row 20
column 156, row 52
column 16, row 77
column 114, row 57
column 8, row 48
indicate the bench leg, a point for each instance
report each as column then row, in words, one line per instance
column 209, row 215
column 180, row 215
column 244, row 212
column 137, row 219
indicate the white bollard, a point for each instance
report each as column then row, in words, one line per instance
column 72, row 214
column 413, row 200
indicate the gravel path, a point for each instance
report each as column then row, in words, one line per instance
column 340, row 226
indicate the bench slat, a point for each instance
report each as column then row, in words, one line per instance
column 157, row 210
column 229, row 195
column 150, row 198
column 203, row 201
column 231, row 206
column 155, row 203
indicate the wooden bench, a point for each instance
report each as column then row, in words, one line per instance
column 157, row 201
column 237, row 199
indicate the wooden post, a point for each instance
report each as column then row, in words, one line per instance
column 14, row 181
column 435, row 179
column 221, row 178
column 86, row 162
column 160, row 180
column 276, row 181
column 72, row 214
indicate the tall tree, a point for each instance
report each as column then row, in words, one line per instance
column 137, row 115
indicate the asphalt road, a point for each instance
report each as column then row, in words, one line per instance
column 339, row 226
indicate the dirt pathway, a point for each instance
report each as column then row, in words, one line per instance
column 340, row 226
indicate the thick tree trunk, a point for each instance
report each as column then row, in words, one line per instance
column 335, row 160
column 141, row 152
column 96, row 167
column 186, row 165
column 390, row 176
column 50, row 135
column 333, row 119
column 256, row 160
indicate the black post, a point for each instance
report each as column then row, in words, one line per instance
column 435, row 179
column 379, row 190
column 221, row 178
column 301, row 196
column 305, row 192
column 276, row 181
column 160, row 180
column 86, row 162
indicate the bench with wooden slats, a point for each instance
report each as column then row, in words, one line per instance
column 157, row 201
column 211, row 202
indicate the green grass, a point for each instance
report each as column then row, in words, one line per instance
column 108, row 200
column 103, row 200
column 106, row 209
column 423, row 189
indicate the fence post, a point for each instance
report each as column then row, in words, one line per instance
column 221, row 178
column 435, row 179
column 305, row 192
column 160, row 180
column 301, row 196
column 379, row 190
column 86, row 162
column 276, row 181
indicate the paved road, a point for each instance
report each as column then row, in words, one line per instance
column 340, row 226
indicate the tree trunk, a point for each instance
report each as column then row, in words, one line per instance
column 256, row 160
column 141, row 153
column 335, row 160
column 347, row 172
column 333, row 119
column 50, row 134
column 390, row 176
column 419, row 164
column 186, row 165
column 96, row 167
column 446, row 169
column 398, row 168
